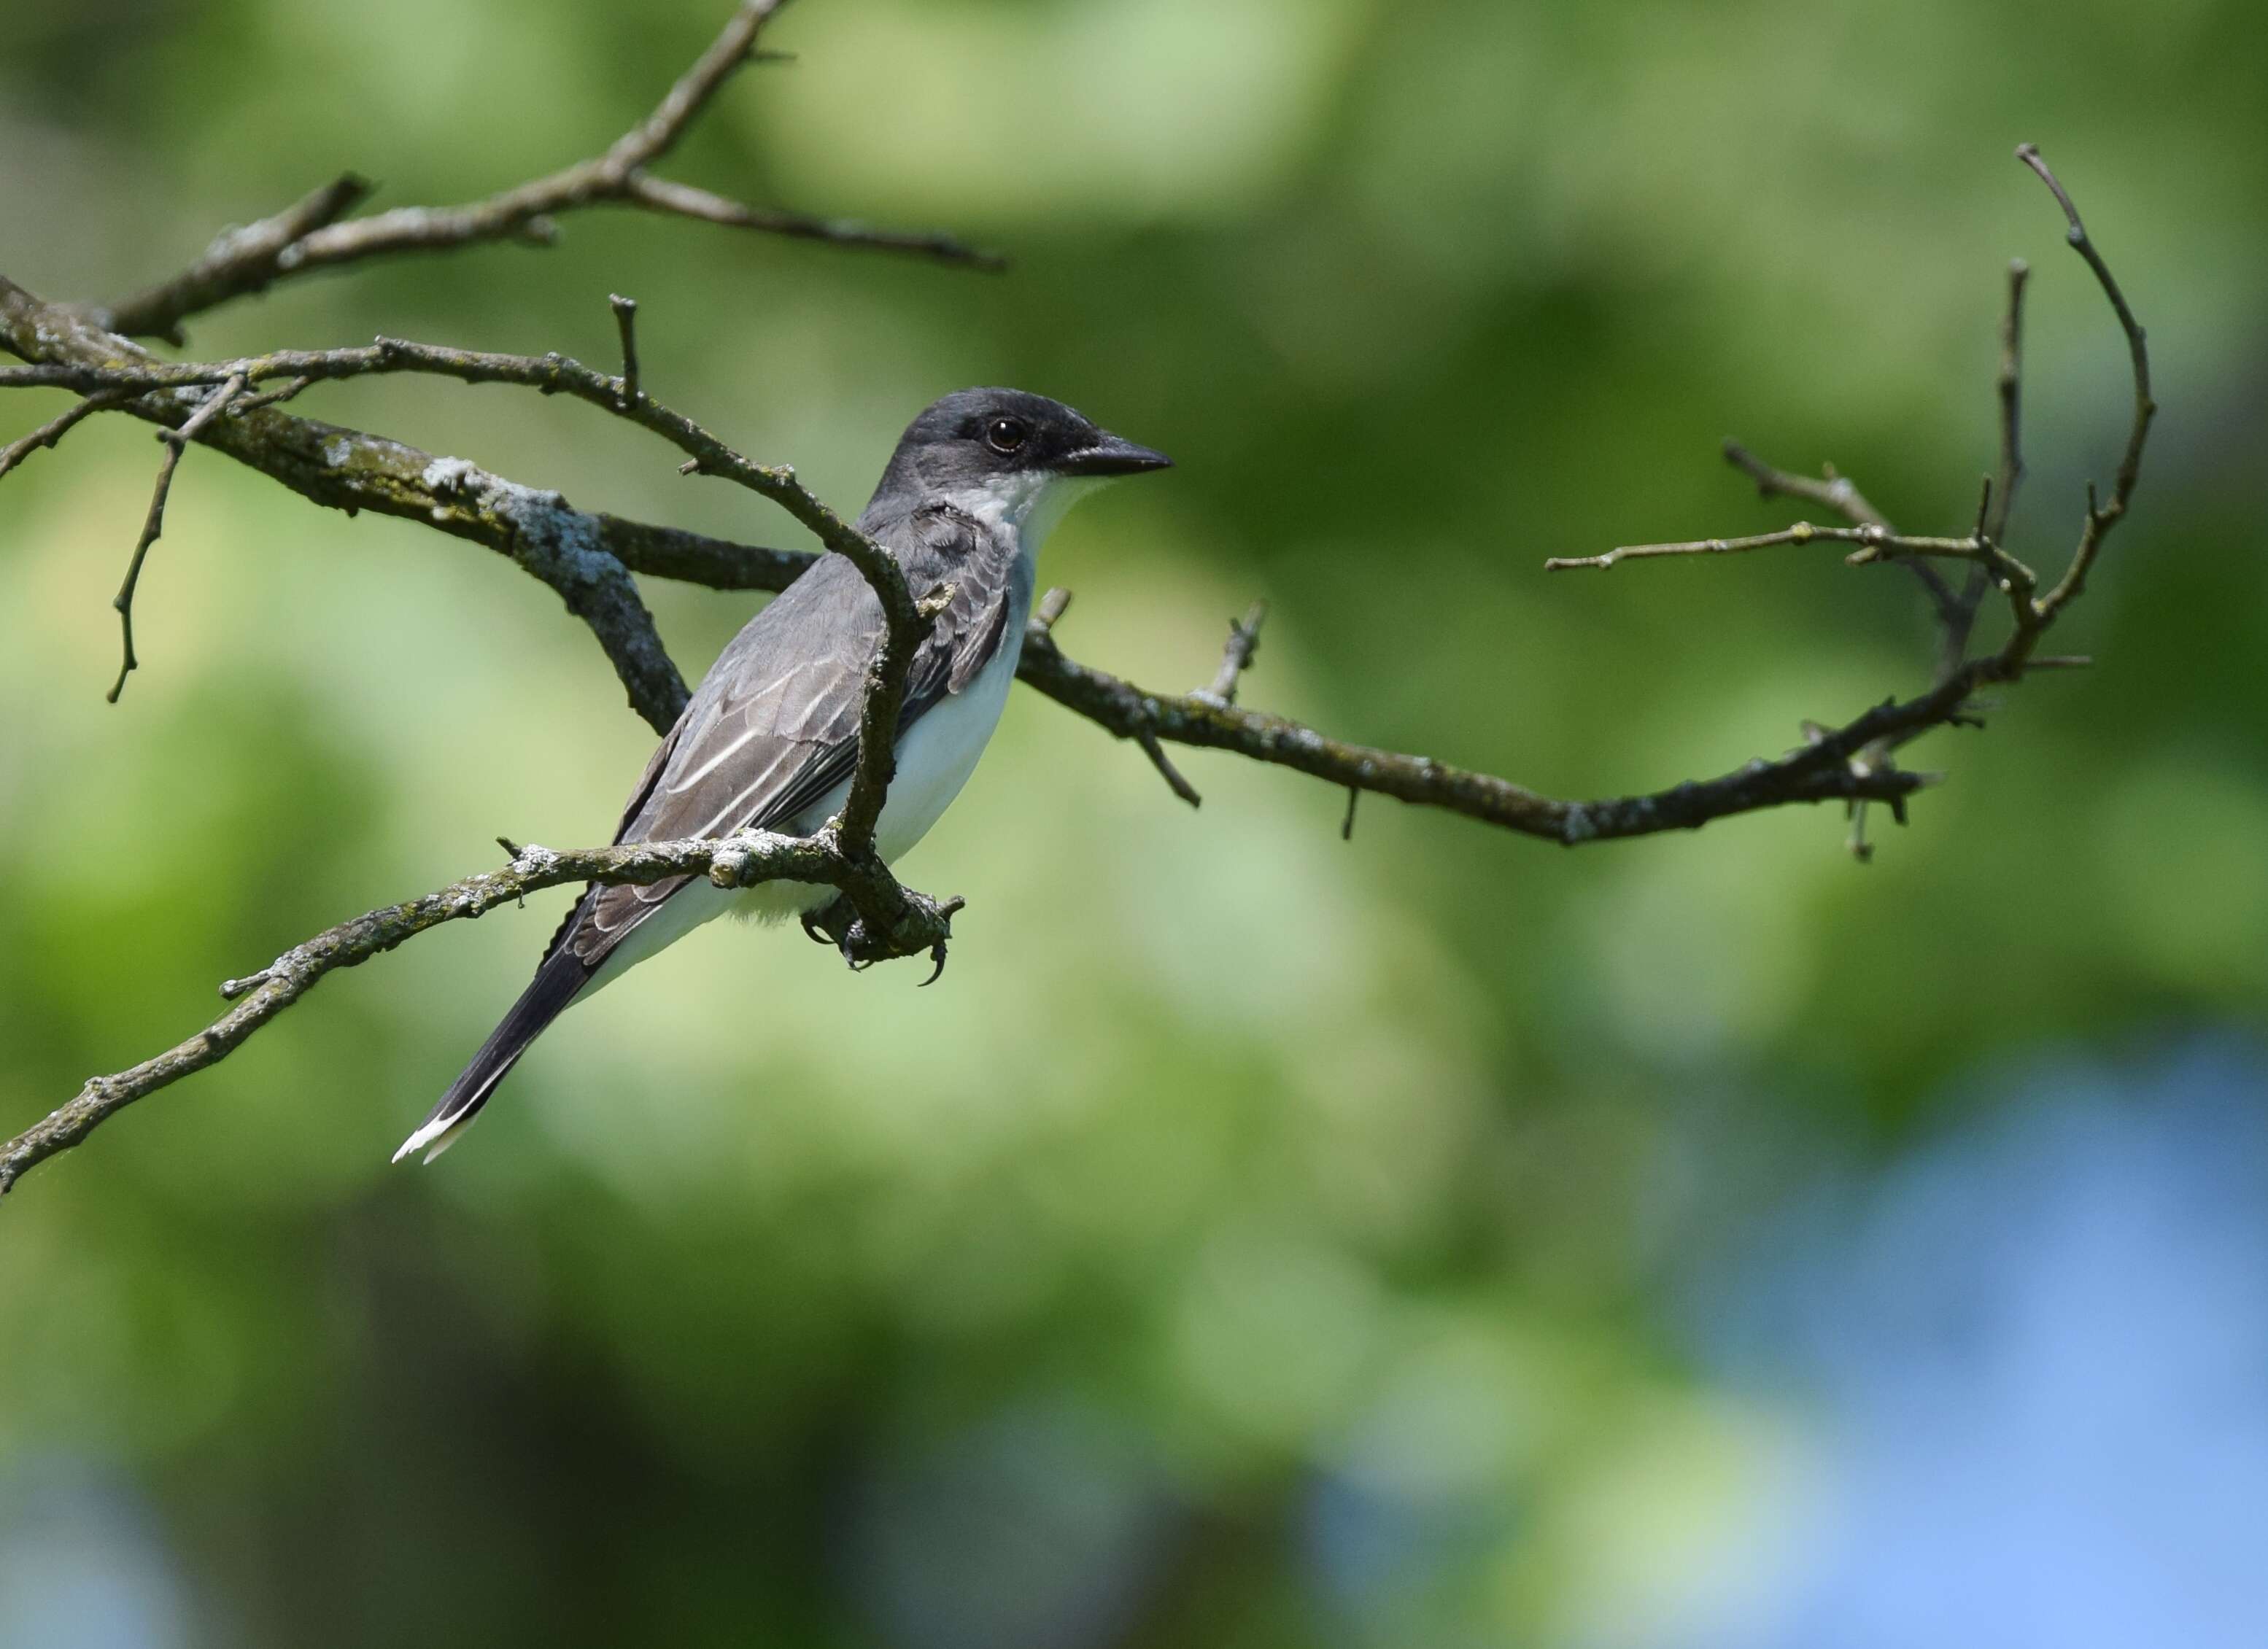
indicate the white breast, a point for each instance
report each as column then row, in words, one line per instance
column 939, row 752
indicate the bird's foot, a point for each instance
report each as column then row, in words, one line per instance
column 926, row 924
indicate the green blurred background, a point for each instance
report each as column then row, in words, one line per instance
column 1256, row 1239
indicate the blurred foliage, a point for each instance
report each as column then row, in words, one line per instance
column 1234, row 1173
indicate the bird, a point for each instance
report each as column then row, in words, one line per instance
column 769, row 739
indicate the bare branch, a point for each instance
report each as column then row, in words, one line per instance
column 154, row 523
column 61, row 425
column 1836, row 492
column 658, row 133
column 1236, row 655
column 2009, row 385
column 626, row 322
column 682, row 199
column 899, row 923
column 309, row 235
column 1147, row 738
column 2102, row 517
column 571, row 550
column 552, row 374
column 1872, row 736
column 1817, row 773
column 1840, row 494
column 268, row 397
column 239, row 261
column 1992, row 520
column 1876, row 543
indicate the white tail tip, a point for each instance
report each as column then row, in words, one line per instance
column 440, row 1134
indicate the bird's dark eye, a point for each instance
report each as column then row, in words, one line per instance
column 1005, row 434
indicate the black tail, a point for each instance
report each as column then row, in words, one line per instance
column 556, row 982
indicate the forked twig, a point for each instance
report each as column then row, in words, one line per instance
column 173, row 441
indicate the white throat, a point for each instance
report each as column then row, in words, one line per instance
column 1029, row 504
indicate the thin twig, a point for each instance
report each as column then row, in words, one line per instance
column 2009, row 385
column 267, row 398
column 238, row 262
column 1840, row 494
column 626, row 322
column 1876, row 544
column 55, row 428
column 1836, row 492
column 1992, row 523
column 175, row 441
column 1236, row 656
column 552, row 374
column 1147, row 738
column 682, row 199
column 658, row 132
column 2101, row 518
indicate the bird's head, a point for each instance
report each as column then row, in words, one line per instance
column 1008, row 456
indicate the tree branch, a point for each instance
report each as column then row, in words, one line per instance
column 2100, row 518
column 569, row 549
column 309, row 234
column 239, row 261
column 1872, row 736
column 1877, row 543
column 173, row 441
column 55, row 428
column 659, row 195
column 2001, row 500
column 1840, row 494
column 903, row 924
column 1813, row 773
column 1237, row 653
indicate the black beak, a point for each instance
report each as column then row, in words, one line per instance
column 1114, row 455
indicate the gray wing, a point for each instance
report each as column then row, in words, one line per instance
column 774, row 726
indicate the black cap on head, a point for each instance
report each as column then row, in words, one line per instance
column 974, row 435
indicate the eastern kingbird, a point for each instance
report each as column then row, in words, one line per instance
column 771, row 738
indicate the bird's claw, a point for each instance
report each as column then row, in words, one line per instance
column 937, row 970
column 830, row 924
